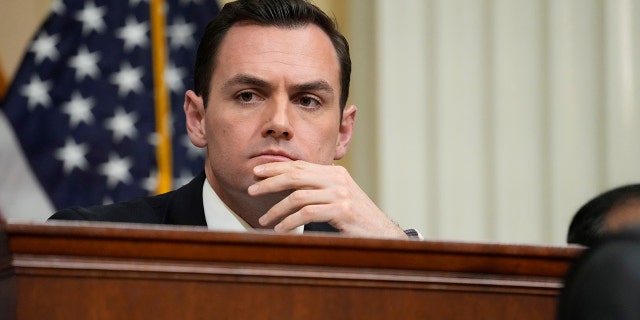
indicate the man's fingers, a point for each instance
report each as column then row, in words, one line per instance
column 275, row 168
column 282, row 176
column 308, row 214
column 294, row 202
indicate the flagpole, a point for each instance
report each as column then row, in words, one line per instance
column 159, row 56
column 4, row 83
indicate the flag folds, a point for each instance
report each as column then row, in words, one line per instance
column 83, row 106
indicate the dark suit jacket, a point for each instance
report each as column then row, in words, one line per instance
column 604, row 283
column 179, row 207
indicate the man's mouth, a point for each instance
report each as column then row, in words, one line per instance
column 275, row 156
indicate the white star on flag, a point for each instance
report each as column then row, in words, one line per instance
column 150, row 183
column 134, row 34
column 86, row 64
column 45, row 47
column 37, row 92
column 128, row 79
column 92, row 18
column 79, row 109
column 122, row 124
column 181, row 34
column 73, row 155
column 116, row 170
column 174, row 77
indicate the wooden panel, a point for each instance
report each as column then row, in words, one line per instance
column 73, row 270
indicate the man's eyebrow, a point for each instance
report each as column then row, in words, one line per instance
column 244, row 79
column 319, row 85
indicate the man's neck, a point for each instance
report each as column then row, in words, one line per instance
column 248, row 208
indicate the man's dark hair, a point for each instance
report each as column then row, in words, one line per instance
column 587, row 225
column 278, row 13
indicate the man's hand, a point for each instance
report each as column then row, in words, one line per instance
column 320, row 193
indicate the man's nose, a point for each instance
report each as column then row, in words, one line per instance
column 278, row 120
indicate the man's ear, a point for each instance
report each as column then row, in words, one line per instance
column 346, row 131
column 194, row 112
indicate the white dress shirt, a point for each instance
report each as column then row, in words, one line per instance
column 220, row 217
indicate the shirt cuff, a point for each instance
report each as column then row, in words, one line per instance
column 413, row 234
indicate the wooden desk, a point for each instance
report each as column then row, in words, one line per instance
column 74, row 270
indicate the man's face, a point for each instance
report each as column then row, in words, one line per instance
column 274, row 96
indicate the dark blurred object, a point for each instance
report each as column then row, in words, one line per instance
column 604, row 283
column 610, row 211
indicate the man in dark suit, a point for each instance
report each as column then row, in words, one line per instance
column 269, row 105
column 610, row 211
column 604, row 283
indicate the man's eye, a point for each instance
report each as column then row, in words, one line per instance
column 309, row 102
column 246, row 96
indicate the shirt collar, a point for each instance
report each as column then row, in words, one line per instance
column 220, row 217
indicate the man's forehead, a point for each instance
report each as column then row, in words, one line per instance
column 249, row 49
column 251, row 33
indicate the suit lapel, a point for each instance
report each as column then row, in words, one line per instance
column 185, row 207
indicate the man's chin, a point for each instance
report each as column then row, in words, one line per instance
column 271, row 199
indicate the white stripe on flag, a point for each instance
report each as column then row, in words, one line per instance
column 21, row 197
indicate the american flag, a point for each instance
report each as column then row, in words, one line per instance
column 82, row 102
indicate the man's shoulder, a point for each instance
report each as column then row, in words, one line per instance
column 604, row 282
column 138, row 210
column 181, row 206
column 620, row 250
